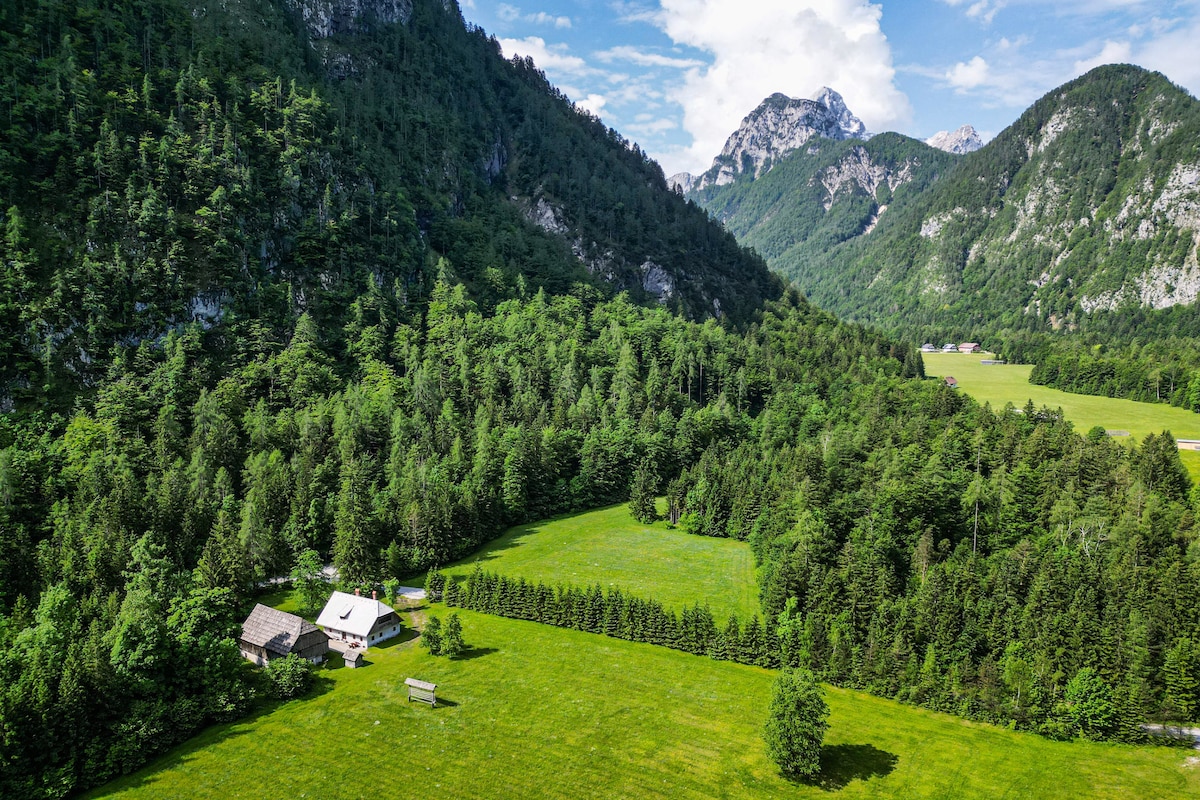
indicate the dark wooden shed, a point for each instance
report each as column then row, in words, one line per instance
column 270, row 633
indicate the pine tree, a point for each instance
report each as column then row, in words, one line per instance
column 452, row 641
column 642, row 498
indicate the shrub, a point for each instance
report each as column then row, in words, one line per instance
column 290, row 676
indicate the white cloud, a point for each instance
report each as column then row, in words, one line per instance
column 510, row 13
column 1111, row 53
column 643, row 59
column 548, row 57
column 985, row 10
column 594, row 103
column 651, row 127
column 1172, row 52
column 766, row 46
column 967, row 75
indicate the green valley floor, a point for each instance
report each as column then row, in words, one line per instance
column 999, row 384
column 538, row 712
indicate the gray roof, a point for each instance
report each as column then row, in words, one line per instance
column 352, row 613
column 277, row 631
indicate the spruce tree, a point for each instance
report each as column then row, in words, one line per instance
column 1182, row 688
column 641, row 499
column 796, row 724
column 452, row 641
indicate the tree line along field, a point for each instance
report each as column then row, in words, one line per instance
column 998, row 384
column 535, row 711
column 610, row 548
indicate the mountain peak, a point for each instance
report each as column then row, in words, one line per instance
column 850, row 124
column 776, row 127
column 962, row 141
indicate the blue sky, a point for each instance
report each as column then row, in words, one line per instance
column 677, row 76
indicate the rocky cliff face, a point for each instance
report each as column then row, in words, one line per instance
column 325, row 18
column 962, row 141
column 778, row 126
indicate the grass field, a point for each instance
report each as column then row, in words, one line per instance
column 1009, row 383
column 611, row 548
column 539, row 712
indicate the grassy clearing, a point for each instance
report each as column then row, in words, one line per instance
column 611, row 548
column 1009, row 383
column 539, row 712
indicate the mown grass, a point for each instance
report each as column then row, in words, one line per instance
column 540, row 712
column 1009, row 383
column 613, row 549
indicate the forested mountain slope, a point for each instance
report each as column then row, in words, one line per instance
column 286, row 284
column 241, row 163
column 1085, row 206
column 826, row 193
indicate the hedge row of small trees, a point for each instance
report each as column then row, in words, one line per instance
column 610, row 612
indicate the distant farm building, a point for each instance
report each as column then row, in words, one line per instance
column 951, row 381
column 270, row 633
column 359, row 620
column 949, row 347
column 1188, row 444
column 970, row 347
column 929, row 347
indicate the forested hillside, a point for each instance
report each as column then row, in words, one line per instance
column 245, row 162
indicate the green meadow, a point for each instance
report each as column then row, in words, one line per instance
column 611, row 548
column 1009, row 383
column 540, row 712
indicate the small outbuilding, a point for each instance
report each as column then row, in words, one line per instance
column 951, row 381
column 353, row 658
column 270, row 633
column 359, row 620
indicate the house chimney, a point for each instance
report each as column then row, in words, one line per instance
column 358, row 592
column 373, row 595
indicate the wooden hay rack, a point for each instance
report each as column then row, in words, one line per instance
column 422, row 691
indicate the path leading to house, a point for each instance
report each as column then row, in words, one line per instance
column 1176, row 732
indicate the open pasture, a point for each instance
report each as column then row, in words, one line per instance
column 613, row 549
column 1009, row 383
column 540, row 712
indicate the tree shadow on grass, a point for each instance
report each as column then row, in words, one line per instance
column 406, row 635
column 843, row 763
column 474, row 652
column 205, row 738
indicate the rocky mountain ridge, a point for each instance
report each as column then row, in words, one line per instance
column 962, row 141
column 778, row 126
column 1089, row 204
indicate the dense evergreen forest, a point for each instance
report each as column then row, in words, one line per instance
column 271, row 300
column 239, row 165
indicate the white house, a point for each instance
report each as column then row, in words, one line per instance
column 363, row 620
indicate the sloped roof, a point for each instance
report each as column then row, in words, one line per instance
column 352, row 613
column 277, row 631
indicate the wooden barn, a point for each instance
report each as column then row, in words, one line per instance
column 359, row 620
column 270, row 633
